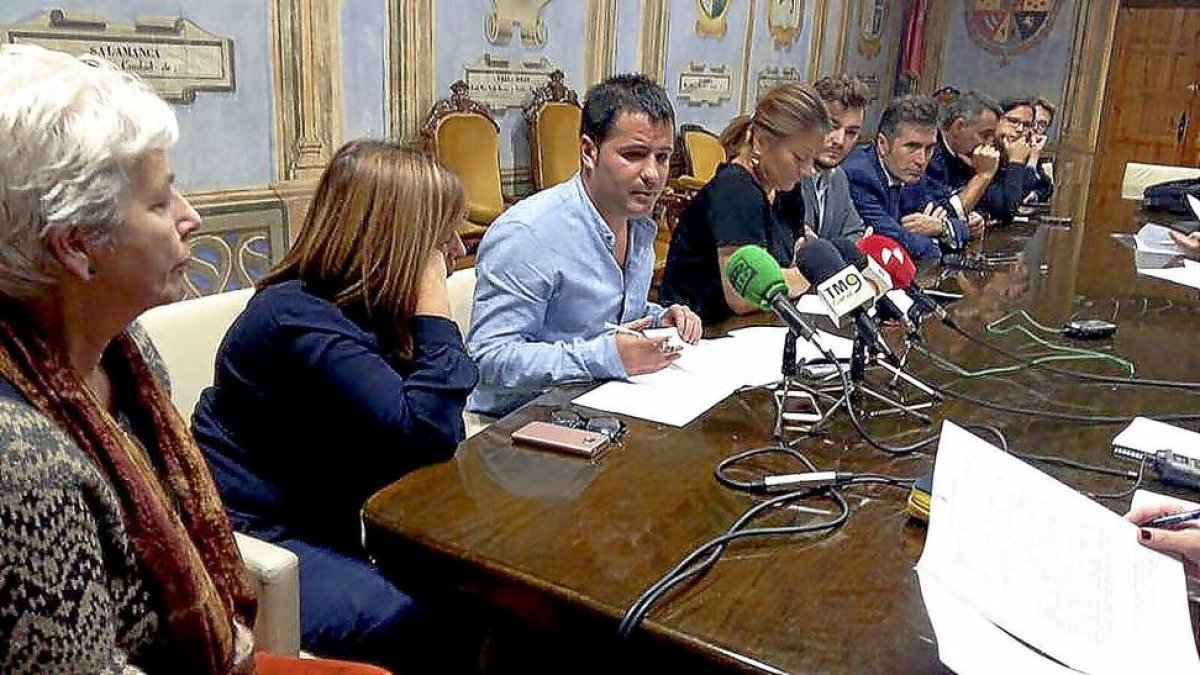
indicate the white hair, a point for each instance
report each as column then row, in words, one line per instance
column 69, row 127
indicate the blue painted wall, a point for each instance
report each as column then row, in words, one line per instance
column 364, row 52
column 629, row 33
column 684, row 46
column 226, row 138
column 1041, row 70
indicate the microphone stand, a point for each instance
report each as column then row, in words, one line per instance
column 801, row 392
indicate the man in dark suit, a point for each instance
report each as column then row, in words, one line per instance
column 965, row 159
column 1014, row 178
column 828, row 211
column 889, row 186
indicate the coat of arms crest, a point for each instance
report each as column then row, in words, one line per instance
column 1009, row 27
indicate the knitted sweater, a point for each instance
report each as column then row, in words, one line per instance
column 72, row 598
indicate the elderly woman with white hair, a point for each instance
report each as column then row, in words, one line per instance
column 115, row 552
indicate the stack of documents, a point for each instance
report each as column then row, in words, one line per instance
column 1022, row 574
column 706, row 373
column 1157, row 255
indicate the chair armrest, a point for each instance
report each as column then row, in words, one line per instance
column 275, row 573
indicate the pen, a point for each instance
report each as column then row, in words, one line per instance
column 617, row 328
column 1173, row 520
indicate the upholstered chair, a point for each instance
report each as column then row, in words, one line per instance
column 553, row 117
column 465, row 138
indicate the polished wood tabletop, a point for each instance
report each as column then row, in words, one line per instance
column 563, row 541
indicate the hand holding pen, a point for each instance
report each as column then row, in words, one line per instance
column 640, row 354
column 1171, row 528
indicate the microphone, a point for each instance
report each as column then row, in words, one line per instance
column 843, row 289
column 899, row 265
column 885, row 305
column 757, row 277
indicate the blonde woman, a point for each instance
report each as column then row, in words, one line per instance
column 344, row 372
column 768, row 153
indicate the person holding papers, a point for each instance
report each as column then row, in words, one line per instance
column 769, row 152
column 554, row 268
column 1188, row 243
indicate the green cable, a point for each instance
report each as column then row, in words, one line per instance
column 995, row 329
column 946, row 364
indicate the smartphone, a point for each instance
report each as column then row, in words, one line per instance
column 578, row 442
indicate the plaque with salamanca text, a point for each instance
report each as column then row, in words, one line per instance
column 172, row 54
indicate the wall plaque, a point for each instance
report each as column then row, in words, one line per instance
column 772, row 76
column 506, row 83
column 172, row 54
column 872, row 17
column 700, row 84
column 507, row 14
column 783, row 21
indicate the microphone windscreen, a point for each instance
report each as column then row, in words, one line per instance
column 819, row 261
column 890, row 255
column 755, row 275
column 849, row 252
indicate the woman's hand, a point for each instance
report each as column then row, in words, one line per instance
column 432, row 297
column 1184, row 542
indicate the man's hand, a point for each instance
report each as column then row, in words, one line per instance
column 976, row 224
column 928, row 222
column 1017, row 150
column 1035, row 149
column 985, row 160
column 1188, row 243
column 641, row 355
column 685, row 321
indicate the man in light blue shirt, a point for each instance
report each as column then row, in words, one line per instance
column 557, row 267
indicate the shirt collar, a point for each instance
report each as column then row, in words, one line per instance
column 599, row 226
column 892, row 181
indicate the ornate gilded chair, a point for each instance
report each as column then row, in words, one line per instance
column 553, row 117
column 464, row 137
column 702, row 154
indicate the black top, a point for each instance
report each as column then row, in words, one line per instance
column 731, row 210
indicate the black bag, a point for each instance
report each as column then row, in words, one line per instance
column 1170, row 196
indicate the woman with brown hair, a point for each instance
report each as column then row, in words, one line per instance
column 115, row 552
column 344, row 372
column 767, row 153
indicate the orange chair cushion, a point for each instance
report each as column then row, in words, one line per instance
column 558, row 142
column 706, row 154
column 469, row 145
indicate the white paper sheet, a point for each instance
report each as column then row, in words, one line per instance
column 969, row 644
column 706, row 373
column 1187, row 274
column 1052, row 567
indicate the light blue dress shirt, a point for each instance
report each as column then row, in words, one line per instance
column 546, row 284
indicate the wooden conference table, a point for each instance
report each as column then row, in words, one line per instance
column 563, row 542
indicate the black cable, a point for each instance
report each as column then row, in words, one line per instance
column 1106, row 379
column 1137, row 483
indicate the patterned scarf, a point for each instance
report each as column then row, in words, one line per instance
column 173, row 514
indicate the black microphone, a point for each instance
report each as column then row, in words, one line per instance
column 886, row 307
column 819, row 261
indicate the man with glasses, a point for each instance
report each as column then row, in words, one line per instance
column 1043, row 186
column 1014, row 178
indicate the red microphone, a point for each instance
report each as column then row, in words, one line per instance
column 892, row 257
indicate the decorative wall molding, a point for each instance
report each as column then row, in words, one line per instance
column 700, row 84
column 839, row 57
column 412, row 71
column 713, row 17
column 499, row 83
column 171, row 54
column 306, row 56
column 599, row 41
column 744, row 103
column 652, row 48
column 507, row 14
column 772, row 76
column 784, row 21
column 872, row 21
column 937, row 27
column 244, row 232
column 817, row 39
